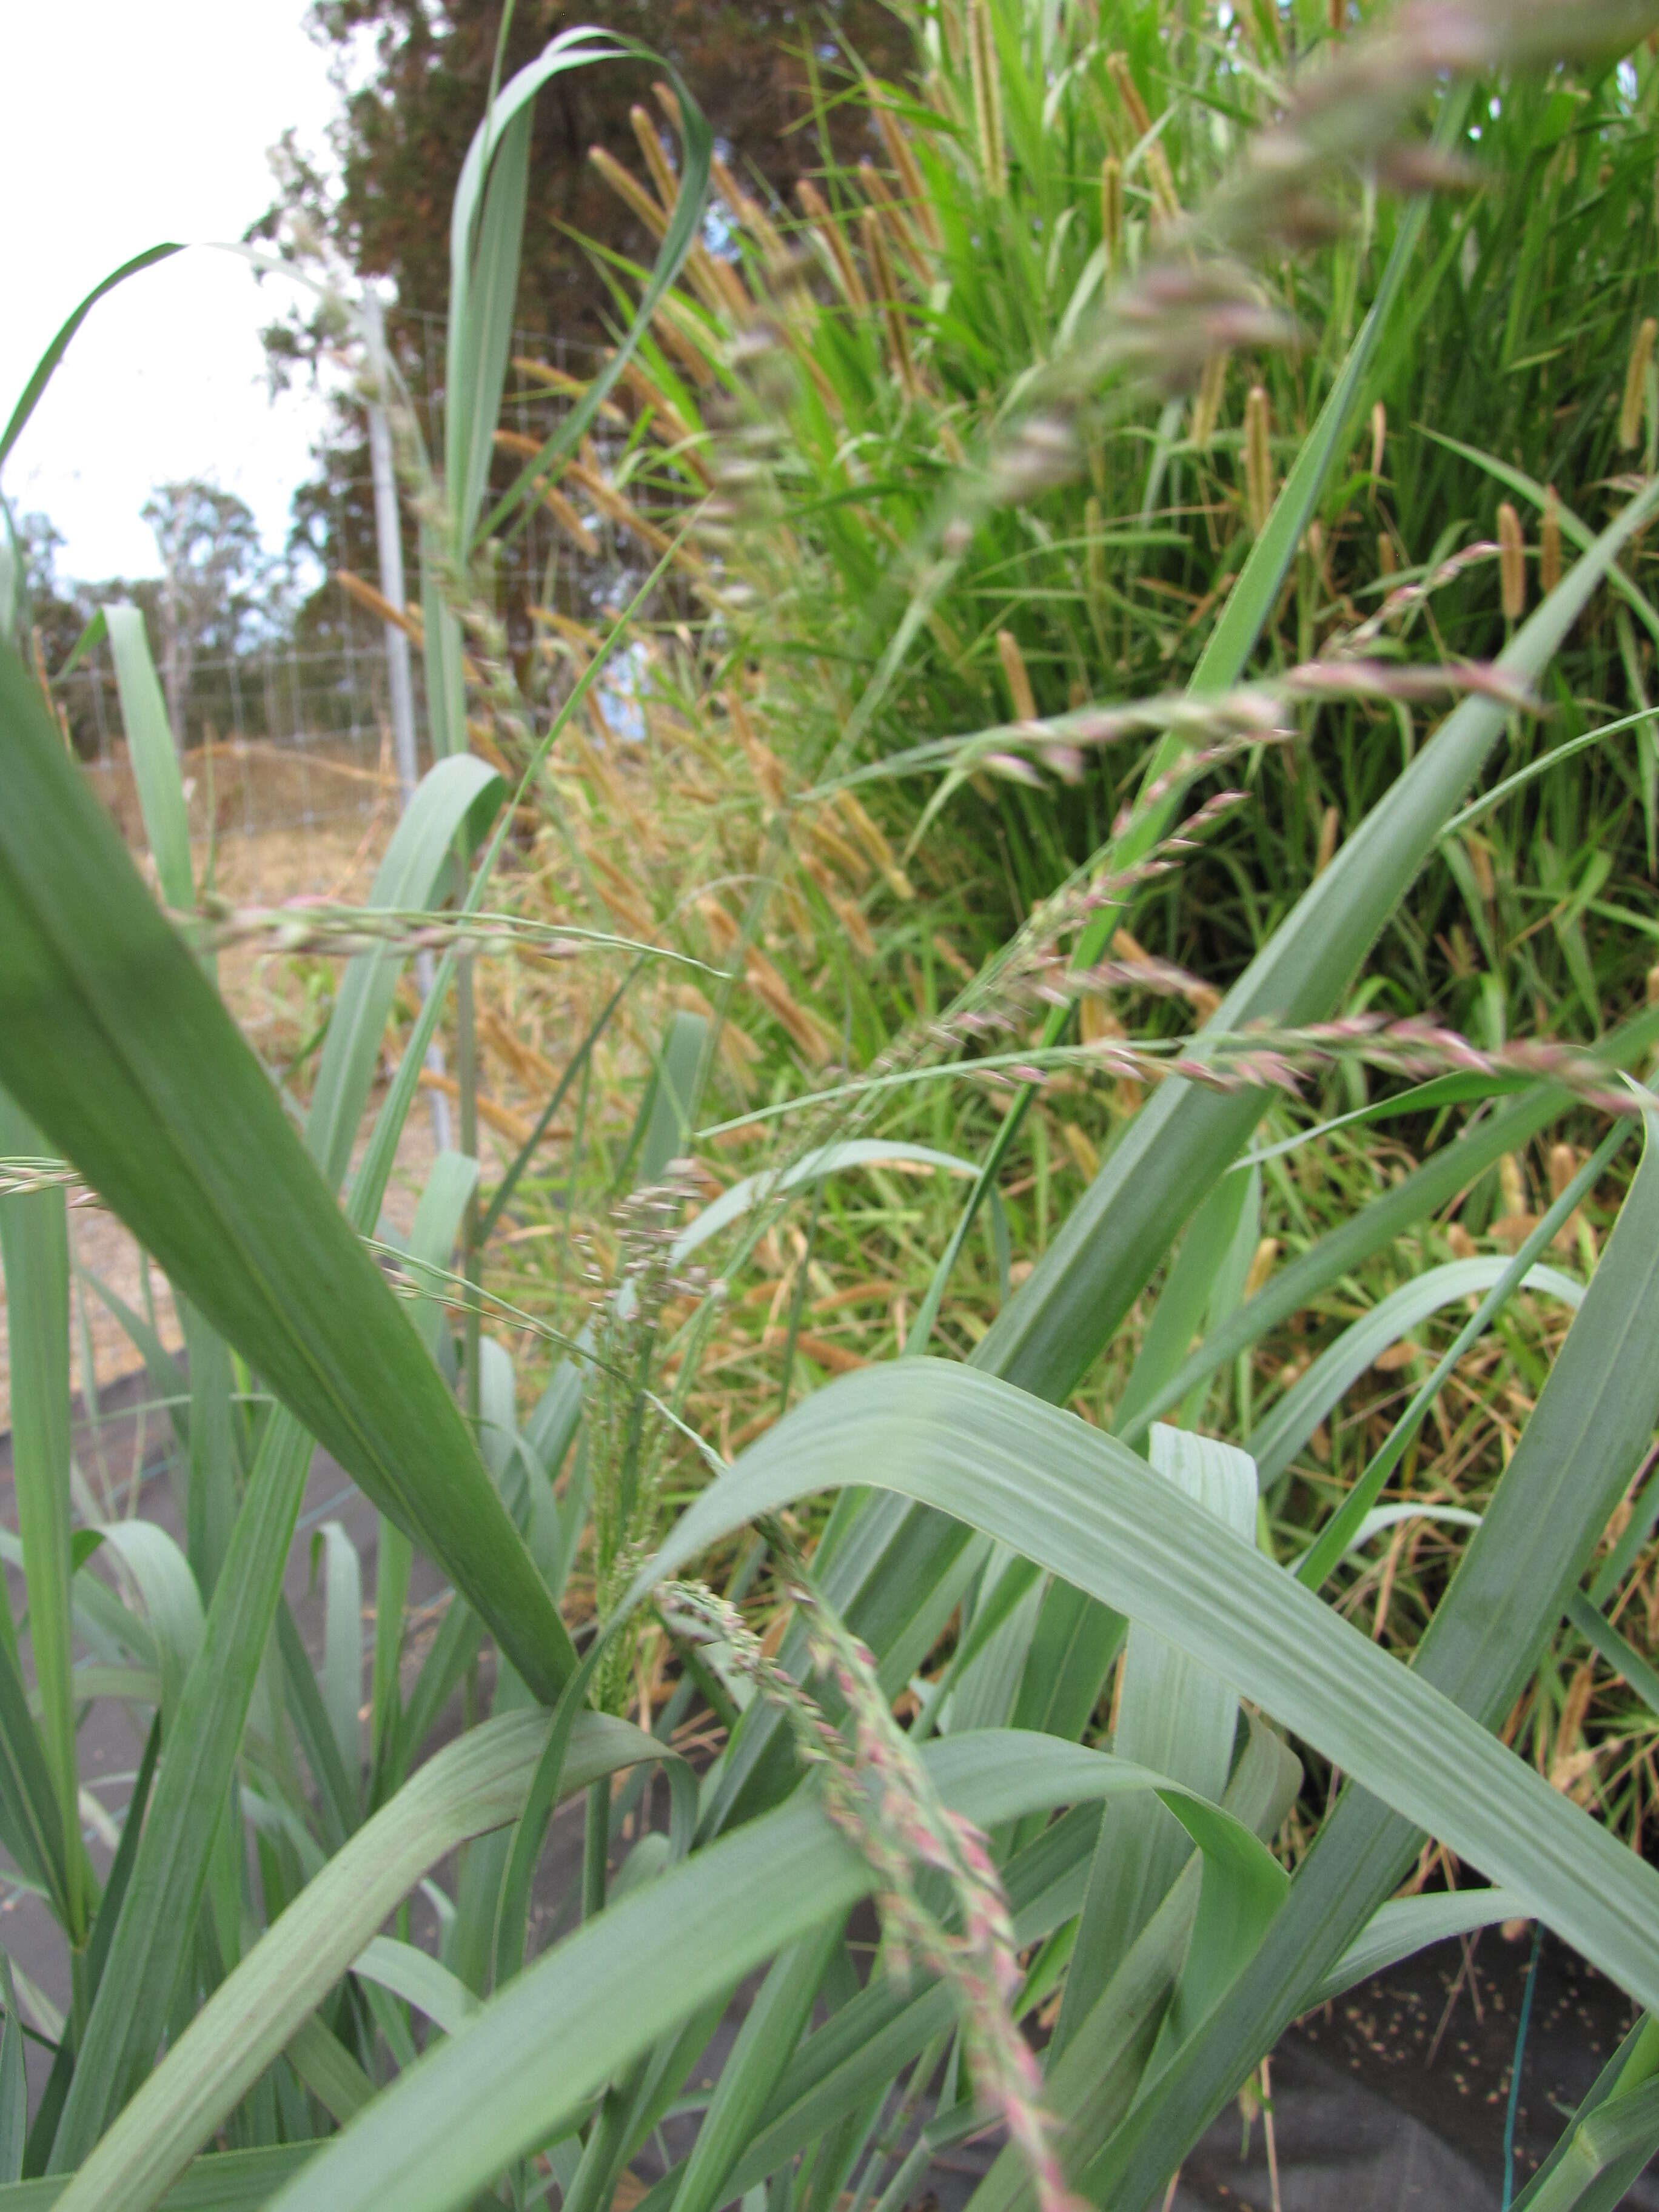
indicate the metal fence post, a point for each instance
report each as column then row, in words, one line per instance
column 400, row 688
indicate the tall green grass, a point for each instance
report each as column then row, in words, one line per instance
column 249, row 2021
column 926, row 299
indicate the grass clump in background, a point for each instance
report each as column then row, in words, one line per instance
column 949, row 1288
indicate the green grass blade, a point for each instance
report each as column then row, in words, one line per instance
column 576, row 2018
column 450, row 1184
column 771, row 2028
column 1250, row 603
column 1173, row 1716
column 172, row 1602
column 114, row 1042
column 455, row 796
column 1605, row 2153
column 684, row 221
column 1082, row 1505
column 328, row 2071
column 1182, row 1141
column 34, row 1248
column 1344, row 1529
column 150, row 750
column 55, row 352
column 1631, row 2067
column 1281, row 1435
column 50, row 2109
column 1409, row 1924
column 31, row 1821
column 210, row 1493
column 229, row 2181
column 1588, row 1433
column 14, row 2090
column 419, row 1980
column 343, row 1648
column 157, row 1925
column 337, row 1798
column 1598, row 1632
column 1455, row 1168
column 475, row 1784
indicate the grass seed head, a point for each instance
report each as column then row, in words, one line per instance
column 1258, row 457
column 1634, row 405
column 986, row 77
column 1111, row 210
column 1549, row 543
column 1512, row 563
column 1016, row 676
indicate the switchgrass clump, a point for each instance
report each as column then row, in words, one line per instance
column 1032, row 1404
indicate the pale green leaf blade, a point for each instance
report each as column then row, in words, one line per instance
column 475, row 1784
column 150, row 750
column 454, row 795
column 114, row 1041
column 34, row 1251
column 1591, row 1427
column 575, row 2018
column 1085, row 1508
column 1281, row 1434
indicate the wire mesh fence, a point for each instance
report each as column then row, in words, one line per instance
column 286, row 744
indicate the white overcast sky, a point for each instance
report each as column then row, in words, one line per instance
column 121, row 125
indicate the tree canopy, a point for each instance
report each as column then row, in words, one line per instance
column 403, row 134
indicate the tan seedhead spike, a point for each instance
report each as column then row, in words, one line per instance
column 1512, row 1183
column 872, row 838
column 569, row 521
column 679, row 333
column 892, row 313
column 949, row 444
column 1511, row 563
column 1480, row 867
column 656, row 161
column 880, row 193
column 842, row 850
column 1636, row 386
column 1095, row 550
column 628, row 189
column 919, row 202
column 1379, row 438
column 1159, row 172
column 1386, row 562
column 723, row 932
column 667, row 423
column 816, row 209
column 1258, row 457
column 1081, row 1146
column 1338, row 15
column 767, row 768
column 1117, row 68
column 1111, row 210
column 814, row 1038
column 365, row 596
column 575, row 387
column 1206, row 401
column 1330, row 822
column 1549, row 543
column 1653, row 986
column 1020, row 682
column 748, row 211
column 857, row 930
column 987, row 78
